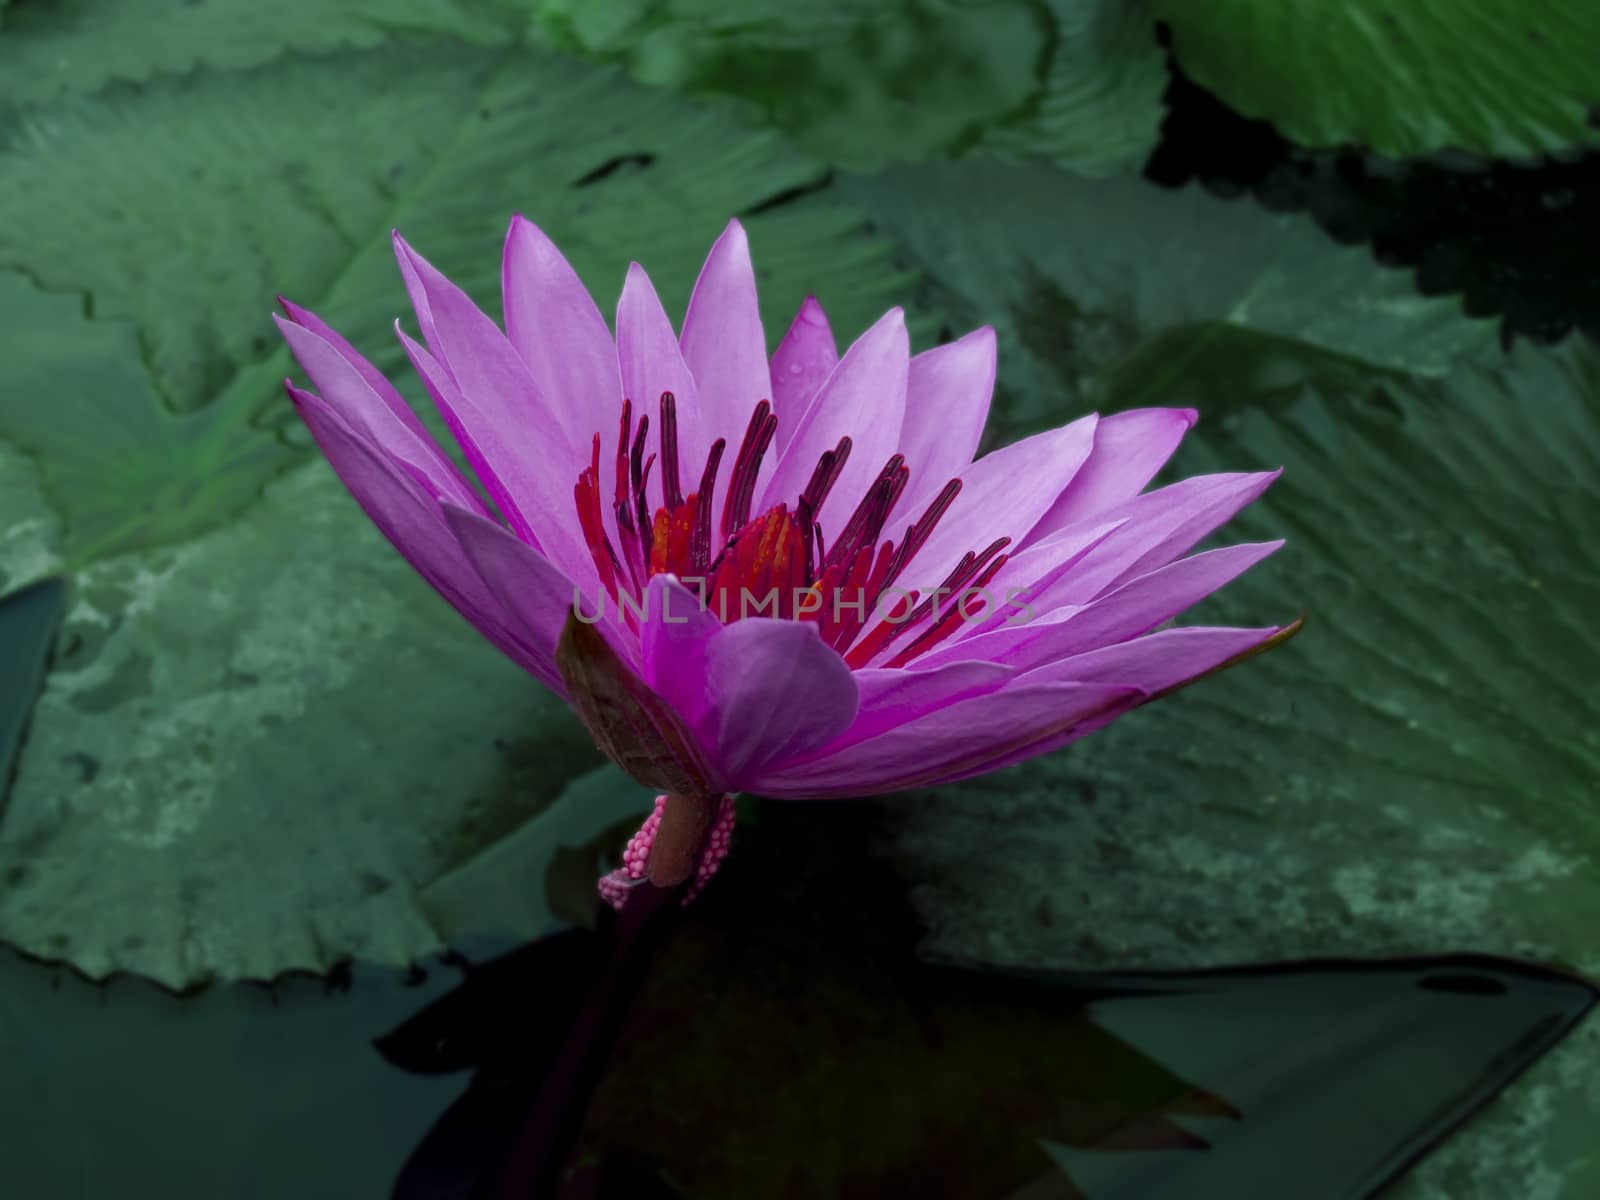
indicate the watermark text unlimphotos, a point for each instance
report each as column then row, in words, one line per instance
column 893, row 604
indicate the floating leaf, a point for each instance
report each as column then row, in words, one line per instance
column 122, row 468
column 853, row 81
column 1495, row 79
column 66, row 47
column 1100, row 109
column 184, row 207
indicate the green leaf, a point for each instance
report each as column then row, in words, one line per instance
column 67, row 47
column 1491, row 78
column 1079, row 276
column 185, row 206
column 1417, row 771
column 1100, row 110
column 853, row 81
column 212, row 786
column 121, row 468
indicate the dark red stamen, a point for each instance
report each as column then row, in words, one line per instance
column 670, row 491
column 746, row 466
column 636, row 474
column 627, row 533
column 700, row 547
column 826, row 474
column 587, row 494
column 867, row 521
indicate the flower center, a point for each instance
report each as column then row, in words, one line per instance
column 776, row 564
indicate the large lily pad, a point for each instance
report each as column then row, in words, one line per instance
column 212, row 785
column 859, row 82
column 853, row 81
column 1100, row 111
column 1492, row 78
column 68, row 47
column 1420, row 770
column 186, row 205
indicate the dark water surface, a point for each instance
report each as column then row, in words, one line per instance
column 785, row 1041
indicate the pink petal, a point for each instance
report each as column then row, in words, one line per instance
column 536, row 595
column 649, row 363
column 1158, row 661
column 773, row 690
column 673, row 638
column 864, row 399
column 550, row 522
column 559, row 334
column 378, row 413
column 1002, row 495
column 1129, row 448
column 513, row 411
column 947, row 401
column 800, row 365
column 504, row 424
column 417, row 290
column 1162, row 525
column 375, row 379
column 725, row 348
column 892, row 696
column 1128, row 612
column 955, row 742
column 410, row 518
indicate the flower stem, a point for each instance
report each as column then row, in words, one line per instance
column 535, row 1166
column 685, row 822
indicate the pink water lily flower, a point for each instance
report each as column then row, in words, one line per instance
column 785, row 576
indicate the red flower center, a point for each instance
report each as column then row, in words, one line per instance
column 776, row 564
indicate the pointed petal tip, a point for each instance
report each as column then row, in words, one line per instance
column 521, row 225
column 303, row 399
column 811, row 313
